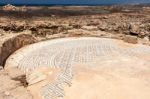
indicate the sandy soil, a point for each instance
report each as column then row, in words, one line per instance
column 122, row 79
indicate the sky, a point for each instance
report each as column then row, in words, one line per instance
column 72, row 1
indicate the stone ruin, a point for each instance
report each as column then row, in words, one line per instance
column 67, row 52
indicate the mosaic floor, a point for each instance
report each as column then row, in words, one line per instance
column 65, row 53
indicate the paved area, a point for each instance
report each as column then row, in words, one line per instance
column 67, row 53
column 114, row 78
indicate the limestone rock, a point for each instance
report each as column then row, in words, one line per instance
column 7, row 93
column 89, row 27
column 9, row 7
column 134, row 28
column 12, row 44
column 39, row 74
column 131, row 39
column 35, row 78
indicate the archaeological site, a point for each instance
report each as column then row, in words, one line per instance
column 75, row 52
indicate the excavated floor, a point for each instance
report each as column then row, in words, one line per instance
column 67, row 54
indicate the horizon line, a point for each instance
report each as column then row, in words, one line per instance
column 63, row 4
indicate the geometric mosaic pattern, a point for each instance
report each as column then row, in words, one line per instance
column 66, row 52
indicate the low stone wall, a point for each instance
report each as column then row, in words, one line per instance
column 12, row 44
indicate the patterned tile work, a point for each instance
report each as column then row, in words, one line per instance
column 64, row 53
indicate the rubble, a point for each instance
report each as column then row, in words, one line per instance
column 9, row 7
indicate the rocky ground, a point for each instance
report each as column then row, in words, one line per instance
column 20, row 26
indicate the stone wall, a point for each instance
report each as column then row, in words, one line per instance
column 11, row 45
